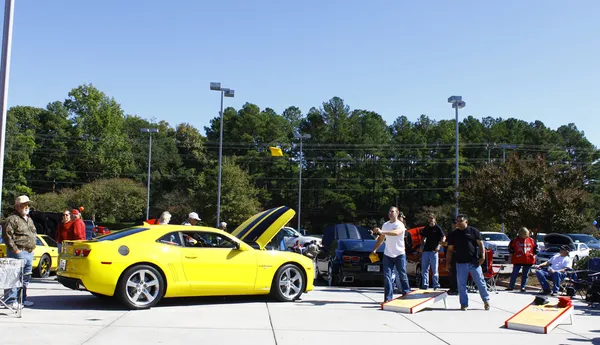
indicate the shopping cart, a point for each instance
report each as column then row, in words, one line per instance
column 11, row 276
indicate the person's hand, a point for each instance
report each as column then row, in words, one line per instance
column 550, row 270
column 481, row 261
column 18, row 251
column 377, row 231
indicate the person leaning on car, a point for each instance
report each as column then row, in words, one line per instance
column 19, row 234
column 434, row 237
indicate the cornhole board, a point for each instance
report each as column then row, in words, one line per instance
column 540, row 318
column 415, row 301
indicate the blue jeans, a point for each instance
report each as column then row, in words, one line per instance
column 430, row 259
column 399, row 262
column 557, row 278
column 462, row 273
column 515, row 273
column 11, row 295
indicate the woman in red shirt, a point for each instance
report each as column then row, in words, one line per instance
column 523, row 249
column 65, row 229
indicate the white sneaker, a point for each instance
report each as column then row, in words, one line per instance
column 27, row 304
column 15, row 306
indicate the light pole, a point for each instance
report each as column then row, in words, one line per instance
column 4, row 76
column 224, row 93
column 300, row 136
column 457, row 103
column 149, row 131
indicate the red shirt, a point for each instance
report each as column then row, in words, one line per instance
column 64, row 232
column 523, row 250
column 78, row 229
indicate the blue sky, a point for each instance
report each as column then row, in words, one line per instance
column 532, row 60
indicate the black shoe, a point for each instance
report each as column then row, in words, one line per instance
column 523, row 290
column 452, row 292
column 545, row 292
column 509, row 289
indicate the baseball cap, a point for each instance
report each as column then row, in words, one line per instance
column 21, row 199
column 75, row 212
column 194, row 215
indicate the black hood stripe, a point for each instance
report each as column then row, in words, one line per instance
column 253, row 223
column 264, row 225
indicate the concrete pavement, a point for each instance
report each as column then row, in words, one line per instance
column 344, row 315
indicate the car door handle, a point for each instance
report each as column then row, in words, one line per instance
column 190, row 257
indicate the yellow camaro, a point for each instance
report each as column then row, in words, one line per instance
column 143, row 264
column 45, row 255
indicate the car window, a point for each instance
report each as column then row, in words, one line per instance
column 584, row 246
column 205, row 239
column 38, row 242
column 172, row 238
column 50, row 241
column 495, row 237
column 118, row 235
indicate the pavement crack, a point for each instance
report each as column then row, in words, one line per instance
column 105, row 327
column 271, row 323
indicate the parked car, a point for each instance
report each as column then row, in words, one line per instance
column 552, row 243
column 143, row 264
column 344, row 257
column 498, row 242
column 589, row 240
column 413, row 242
column 45, row 255
column 539, row 239
column 291, row 236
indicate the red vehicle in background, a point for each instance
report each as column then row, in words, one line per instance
column 413, row 243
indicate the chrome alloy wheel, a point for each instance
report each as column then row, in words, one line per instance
column 142, row 287
column 291, row 282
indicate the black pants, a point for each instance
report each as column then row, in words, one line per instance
column 453, row 285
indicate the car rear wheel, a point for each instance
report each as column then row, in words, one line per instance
column 140, row 287
column 43, row 269
column 288, row 284
column 332, row 278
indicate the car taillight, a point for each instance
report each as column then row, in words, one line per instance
column 82, row 252
column 346, row 258
column 355, row 259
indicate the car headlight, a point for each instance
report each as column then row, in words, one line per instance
column 491, row 246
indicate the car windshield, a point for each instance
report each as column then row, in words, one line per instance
column 117, row 235
column 582, row 238
column 50, row 241
column 495, row 237
column 540, row 237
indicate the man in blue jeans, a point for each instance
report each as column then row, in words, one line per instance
column 433, row 236
column 465, row 244
column 557, row 267
column 394, row 255
column 19, row 235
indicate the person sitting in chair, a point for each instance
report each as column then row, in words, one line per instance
column 558, row 265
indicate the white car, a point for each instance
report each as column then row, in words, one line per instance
column 553, row 243
column 540, row 241
column 291, row 236
column 498, row 242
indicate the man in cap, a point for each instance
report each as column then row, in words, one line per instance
column 193, row 219
column 19, row 235
column 78, row 226
column 556, row 270
column 223, row 226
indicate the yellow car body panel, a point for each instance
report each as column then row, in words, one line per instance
column 43, row 247
column 218, row 264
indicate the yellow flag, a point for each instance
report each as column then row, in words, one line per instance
column 275, row 151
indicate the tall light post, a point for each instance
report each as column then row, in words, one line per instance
column 300, row 136
column 224, row 93
column 457, row 103
column 4, row 76
column 149, row 131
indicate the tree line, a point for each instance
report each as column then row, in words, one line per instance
column 87, row 151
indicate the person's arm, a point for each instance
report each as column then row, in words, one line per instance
column 449, row 256
column 8, row 235
column 481, row 251
column 442, row 239
column 378, row 243
column 79, row 229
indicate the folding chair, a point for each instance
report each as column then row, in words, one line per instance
column 490, row 274
column 587, row 282
column 11, row 276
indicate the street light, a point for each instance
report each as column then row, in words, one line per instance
column 224, row 93
column 300, row 136
column 150, row 131
column 457, row 103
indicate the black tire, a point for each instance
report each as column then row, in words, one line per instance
column 44, row 266
column 332, row 278
column 134, row 295
column 418, row 277
column 289, row 283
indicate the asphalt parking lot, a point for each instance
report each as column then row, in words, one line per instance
column 343, row 315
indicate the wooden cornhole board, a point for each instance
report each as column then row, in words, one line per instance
column 415, row 301
column 540, row 318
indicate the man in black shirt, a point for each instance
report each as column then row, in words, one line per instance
column 433, row 236
column 466, row 245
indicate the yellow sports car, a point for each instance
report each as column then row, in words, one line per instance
column 143, row 264
column 45, row 255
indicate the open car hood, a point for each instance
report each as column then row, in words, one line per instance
column 558, row 240
column 262, row 227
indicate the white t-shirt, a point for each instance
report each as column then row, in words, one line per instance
column 558, row 262
column 394, row 245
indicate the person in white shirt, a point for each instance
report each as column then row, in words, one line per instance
column 558, row 265
column 394, row 254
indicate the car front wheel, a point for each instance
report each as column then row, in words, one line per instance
column 43, row 269
column 288, row 284
column 140, row 287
